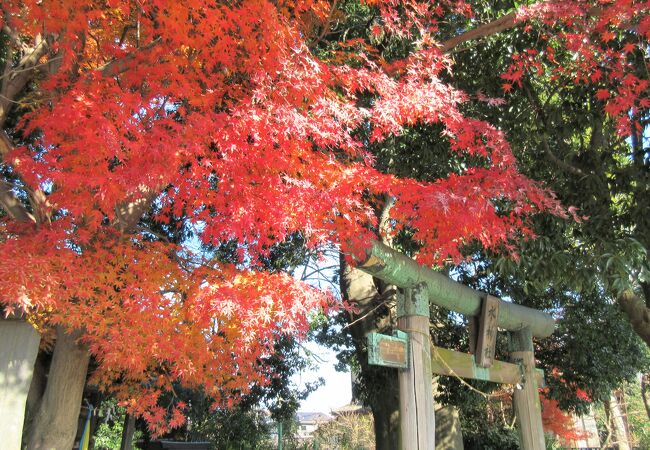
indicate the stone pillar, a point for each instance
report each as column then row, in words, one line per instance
column 18, row 349
column 449, row 436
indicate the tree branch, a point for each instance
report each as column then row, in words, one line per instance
column 118, row 66
column 8, row 201
column 639, row 315
column 5, row 144
column 543, row 118
column 15, row 80
column 503, row 23
column 128, row 214
column 496, row 26
column 326, row 26
column 559, row 162
column 12, row 205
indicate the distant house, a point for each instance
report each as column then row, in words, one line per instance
column 308, row 423
column 586, row 426
column 350, row 408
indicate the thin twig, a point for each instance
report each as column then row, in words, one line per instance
column 326, row 26
column 385, row 302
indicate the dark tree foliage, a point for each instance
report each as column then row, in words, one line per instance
column 575, row 270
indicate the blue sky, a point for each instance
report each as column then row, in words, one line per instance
column 337, row 390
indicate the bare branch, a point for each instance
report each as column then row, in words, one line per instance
column 503, row 23
column 326, row 26
column 15, row 80
column 559, row 162
column 118, row 66
column 367, row 314
column 496, row 26
column 546, row 125
column 128, row 214
column 37, row 198
column 12, row 205
column 5, row 144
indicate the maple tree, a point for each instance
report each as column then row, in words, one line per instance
column 241, row 120
column 557, row 421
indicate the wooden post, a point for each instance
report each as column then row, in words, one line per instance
column 472, row 330
column 18, row 349
column 417, row 420
column 526, row 399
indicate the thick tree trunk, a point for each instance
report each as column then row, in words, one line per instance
column 36, row 390
column 127, row 432
column 386, row 417
column 55, row 424
column 382, row 390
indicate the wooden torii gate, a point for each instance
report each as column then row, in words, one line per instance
column 411, row 351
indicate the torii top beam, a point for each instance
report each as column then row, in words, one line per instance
column 396, row 268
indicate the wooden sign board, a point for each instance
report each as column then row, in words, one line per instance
column 487, row 332
column 388, row 351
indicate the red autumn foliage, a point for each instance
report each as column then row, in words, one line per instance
column 558, row 422
column 221, row 115
column 603, row 44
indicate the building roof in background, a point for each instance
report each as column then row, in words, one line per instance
column 350, row 408
column 313, row 417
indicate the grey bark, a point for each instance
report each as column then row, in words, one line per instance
column 127, row 432
column 359, row 288
column 14, row 79
column 36, row 391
